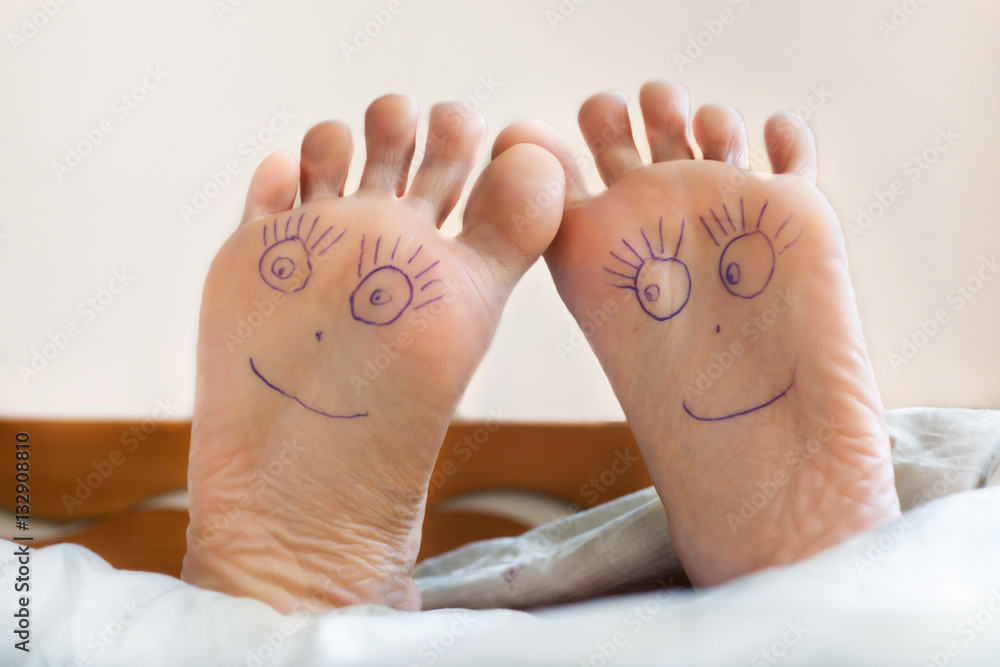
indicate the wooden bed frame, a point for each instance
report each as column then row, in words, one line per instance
column 96, row 478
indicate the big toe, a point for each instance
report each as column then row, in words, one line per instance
column 514, row 211
column 533, row 131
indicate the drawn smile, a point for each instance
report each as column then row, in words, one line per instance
column 742, row 412
column 298, row 400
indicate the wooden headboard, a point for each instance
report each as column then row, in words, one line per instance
column 107, row 485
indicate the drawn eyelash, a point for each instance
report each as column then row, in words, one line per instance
column 286, row 263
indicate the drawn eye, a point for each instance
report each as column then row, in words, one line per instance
column 747, row 264
column 285, row 266
column 385, row 292
column 382, row 296
column 663, row 287
column 662, row 284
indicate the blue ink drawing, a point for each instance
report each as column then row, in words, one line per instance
column 388, row 288
column 286, row 264
column 661, row 282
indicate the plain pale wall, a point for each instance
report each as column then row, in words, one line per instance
column 877, row 98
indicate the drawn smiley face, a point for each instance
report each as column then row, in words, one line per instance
column 286, row 265
column 386, row 287
column 746, row 265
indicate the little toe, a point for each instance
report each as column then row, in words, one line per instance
column 326, row 156
column 665, row 108
column 791, row 146
column 273, row 186
column 514, row 211
column 605, row 124
column 536, row 132
column 390, row 139
column 721, row 134
column 454, row 137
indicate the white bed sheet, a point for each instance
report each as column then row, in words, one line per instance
column 924, row 590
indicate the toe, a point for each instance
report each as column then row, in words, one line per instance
column 454, row 137
column 790, row 145
column 326, row 156
column 536, row 132
column 665, row 107
column 514, row 211
column 605, row 125
column 273, row 186
column 719, row 131
column 390, row 139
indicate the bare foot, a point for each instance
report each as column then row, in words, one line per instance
column 336, row 339
column 733, row 342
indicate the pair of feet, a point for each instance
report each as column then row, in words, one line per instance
column 337, row 338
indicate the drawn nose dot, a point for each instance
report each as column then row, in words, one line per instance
column 319, row 335
column 652, row 293
column 733, row 273
column 717, row 328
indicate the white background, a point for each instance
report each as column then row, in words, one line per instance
column 886, row 97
